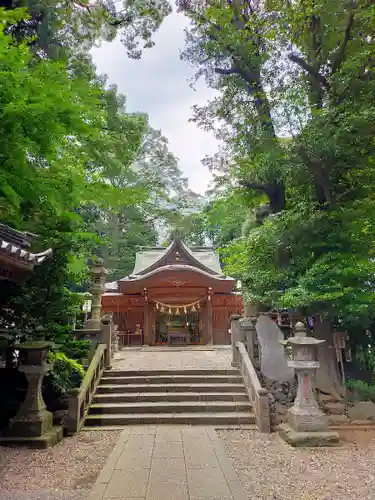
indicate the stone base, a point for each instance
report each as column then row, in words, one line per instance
column 92, row 324
column 313, row 439
column 32, row 425
column 48, row 439
column 309, row 420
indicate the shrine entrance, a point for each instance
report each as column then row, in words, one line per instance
column 169, row 325
column 174, row 295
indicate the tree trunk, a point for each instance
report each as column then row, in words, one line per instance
column 328, row 377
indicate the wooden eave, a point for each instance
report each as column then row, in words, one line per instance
column 176, row 276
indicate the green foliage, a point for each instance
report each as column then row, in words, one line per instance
column 68, row 371
column 66, row 374
column 360, row 391
column 75, row 349
column 75, row 168
column 295, row 95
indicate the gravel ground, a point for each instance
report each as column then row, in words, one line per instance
column 271, row 470
column 65, row 472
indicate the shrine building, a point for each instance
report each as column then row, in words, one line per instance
column 17, row 261
column 174, row 294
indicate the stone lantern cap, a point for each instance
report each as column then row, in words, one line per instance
column 301, row 338
column 97, row 266
column 35, row 345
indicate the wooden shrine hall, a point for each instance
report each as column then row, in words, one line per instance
column 174, row 295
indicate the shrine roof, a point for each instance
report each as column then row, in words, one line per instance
column 15, row 245
column 203, row 256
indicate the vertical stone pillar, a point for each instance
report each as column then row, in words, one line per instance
column 237, row 336
column 249, row 334
column 106, row 338
column 307, row 423
column 98, row 273
column 115, row 340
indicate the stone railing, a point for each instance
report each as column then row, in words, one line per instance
column 79, row 399
column 257, row 394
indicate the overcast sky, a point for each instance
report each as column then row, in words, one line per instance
column 158, row 85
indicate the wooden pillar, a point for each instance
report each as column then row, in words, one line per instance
column 210, row 339
column 147, row 334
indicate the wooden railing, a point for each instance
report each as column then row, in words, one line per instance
column 257, row 394
column 79, row 399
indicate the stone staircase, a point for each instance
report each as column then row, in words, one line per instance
column 196, row 397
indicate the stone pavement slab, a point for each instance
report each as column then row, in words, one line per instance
column 215, row 359
column 168, row 462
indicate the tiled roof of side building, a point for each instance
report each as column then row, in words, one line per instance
column 16, row 246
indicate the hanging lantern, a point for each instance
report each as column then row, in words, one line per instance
column 162, row 309
column 170, row 311
column 193, row 308
column 198, row 305
column 177, row 311
column 185, row 310
column 157, row 305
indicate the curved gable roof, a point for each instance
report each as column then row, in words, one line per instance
column 202, row 258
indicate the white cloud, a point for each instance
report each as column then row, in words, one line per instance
column 158, row 85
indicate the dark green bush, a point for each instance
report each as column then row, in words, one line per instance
column 358, row 390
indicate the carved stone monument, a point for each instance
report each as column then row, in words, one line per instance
column 273, row 363
column 307, row 424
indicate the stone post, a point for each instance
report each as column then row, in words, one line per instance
column 237, row 336
column 98, row 273
column 33, row 423
column 106, row 338
column 249, row 333
column 115, row 340
column 307, row 424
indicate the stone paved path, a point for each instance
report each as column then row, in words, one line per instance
column 168, row 463
column 158, row 359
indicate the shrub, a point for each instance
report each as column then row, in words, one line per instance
column 358, row 390
column 76, row 349
column 69, row 372
column 66, row 374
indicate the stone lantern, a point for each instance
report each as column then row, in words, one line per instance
column 33, row 423
column 98, row 273
column 307, row 424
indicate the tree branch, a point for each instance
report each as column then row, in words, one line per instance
column 275, row 191
column 82, row 5
column 310, row 70
column 229, row 71
column 339, row 58
column 123, row 20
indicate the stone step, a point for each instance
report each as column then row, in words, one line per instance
column 169, row 407
column 175, row 379
column 169, row 396
column 196, row 418
column 106, row 388
column 146, row 373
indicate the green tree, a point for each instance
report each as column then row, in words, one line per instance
column 56, row 153
column 301, row 70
